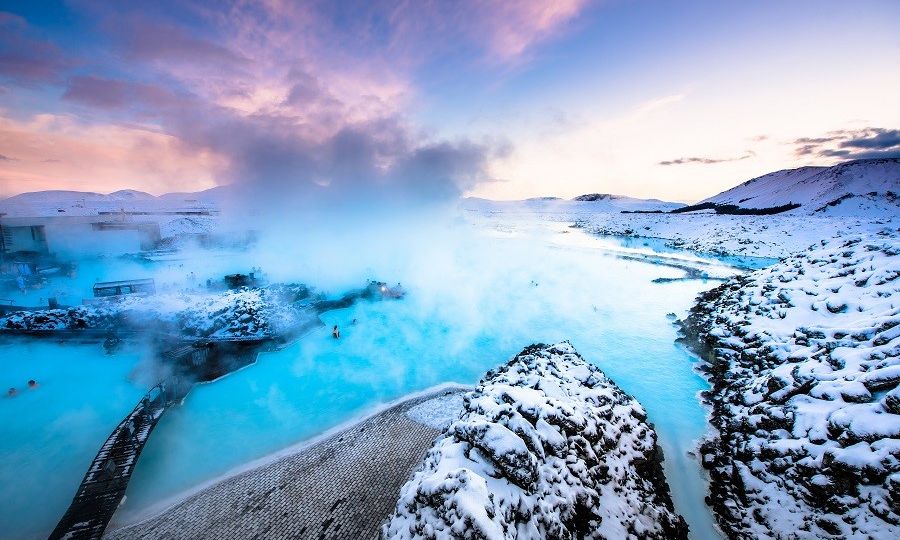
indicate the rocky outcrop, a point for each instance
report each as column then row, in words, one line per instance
column 546, row 447
column 804, row 359
column 257, row 312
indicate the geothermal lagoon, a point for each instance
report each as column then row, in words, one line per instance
column 466, row 311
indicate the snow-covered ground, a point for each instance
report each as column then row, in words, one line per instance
column 756, row 236
column 546, row 447
column 804, row 357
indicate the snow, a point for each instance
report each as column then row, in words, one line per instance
column 438, row 412
column 546, row 447
column 851, row 188
column 805, row 361
column 753, row 236
column 176, row 213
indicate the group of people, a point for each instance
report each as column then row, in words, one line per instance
column 13, row 392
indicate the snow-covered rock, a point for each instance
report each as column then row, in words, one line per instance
column 546, row 447
column 804, row 358
column 244, row 313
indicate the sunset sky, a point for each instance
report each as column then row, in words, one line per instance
column 672, row 100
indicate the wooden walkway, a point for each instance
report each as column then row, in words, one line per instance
column 104, row 485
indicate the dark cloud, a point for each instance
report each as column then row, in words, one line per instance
column 706, row 160
column 815, row 140
column 145, row 39
column 304, row 160
column 25, row 58
column 115, row 94
column 867, row 143
column 876, row 138
column 364, row 166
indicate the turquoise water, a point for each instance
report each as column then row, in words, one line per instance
column 658, row 245
column 479, row 313
column 473, row 303
column 51, row 433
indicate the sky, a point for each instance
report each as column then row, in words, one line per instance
column 432, row 100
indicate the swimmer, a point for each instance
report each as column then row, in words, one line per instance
column 11, row 392
column 32, row 383
column 335, row 332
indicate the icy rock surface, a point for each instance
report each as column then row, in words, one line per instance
column 246, row 312
column 546, row 447
column 804, row 357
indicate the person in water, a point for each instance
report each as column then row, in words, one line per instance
column 335, row 332
column 32, row 383
column 12, row 392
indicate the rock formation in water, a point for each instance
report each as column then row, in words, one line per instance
column 547, row 447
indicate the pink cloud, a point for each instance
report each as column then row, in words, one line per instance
column 513, row 27
column 57, row 152
column 276, row 92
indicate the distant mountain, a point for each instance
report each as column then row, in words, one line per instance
column 130, row 195
column 863, row 187
column 595, row 202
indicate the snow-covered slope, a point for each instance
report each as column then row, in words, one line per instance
column 857, row 187
column 804, row 357
column 546, row 447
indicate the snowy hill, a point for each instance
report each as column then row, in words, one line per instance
column 864, row 187
column 88, row 203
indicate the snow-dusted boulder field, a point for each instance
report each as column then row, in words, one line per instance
column 804, row 358
column 546, row 447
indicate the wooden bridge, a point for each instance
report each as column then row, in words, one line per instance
column 104, row 485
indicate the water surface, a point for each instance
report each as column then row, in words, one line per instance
column 472, row 304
